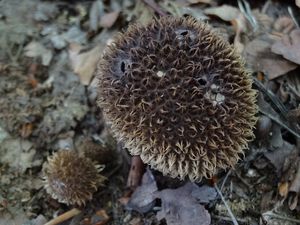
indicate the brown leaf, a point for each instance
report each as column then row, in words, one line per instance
column 108, row 19
column 180, row 207
column 259, row 56
column 84, row 62
column 136, row 221
column 225, row 12
column 289, row 46
column 101, row 218
column 278, row 156
column 284, row 24
column 283, row 189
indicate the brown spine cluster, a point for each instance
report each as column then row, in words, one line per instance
column 179, row 96
column 71, row 179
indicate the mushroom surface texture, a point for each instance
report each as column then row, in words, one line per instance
column 179, row 96
column 71, row 179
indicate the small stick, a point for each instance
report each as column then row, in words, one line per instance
column 292, row 16
column 225, row 179
column 276, row 216
column 226, row 205
column 63, row 217
column 279, row 122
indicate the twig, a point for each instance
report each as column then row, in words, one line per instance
column 266, row 109
column 279, row 122
column 225, row 179
column 63, row 217
column 229, row 219
column 226, row 205
column 275, row 101
column 153, row 5
column 276, row 216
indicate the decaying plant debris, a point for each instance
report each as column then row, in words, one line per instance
column 48, row 54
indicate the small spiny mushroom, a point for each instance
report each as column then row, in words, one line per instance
column 71, row 179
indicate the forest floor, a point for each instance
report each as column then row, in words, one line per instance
column 49, row 51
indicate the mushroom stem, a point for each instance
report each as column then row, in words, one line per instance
column 136, row 172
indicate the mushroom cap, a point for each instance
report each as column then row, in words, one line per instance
column 71, row 179
column 179, row 96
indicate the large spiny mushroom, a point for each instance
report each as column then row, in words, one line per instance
column 70, row 178
column 179, row 96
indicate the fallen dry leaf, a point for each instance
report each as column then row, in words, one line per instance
column 264, row 21
column 136, row 221
column 260, row 58
column 204, row 194
column 108, row 19
column 240, row 25
column 284, row 24
column 142, row 199
column 225, row 12
column 84, row 62
column 37, row 50
column 101, row 218
column 289, row 46
column 189, row 211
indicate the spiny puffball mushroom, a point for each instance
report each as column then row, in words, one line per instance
column 179, row 96
column 71, row 179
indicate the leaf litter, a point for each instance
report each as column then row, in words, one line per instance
column 47, row 97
